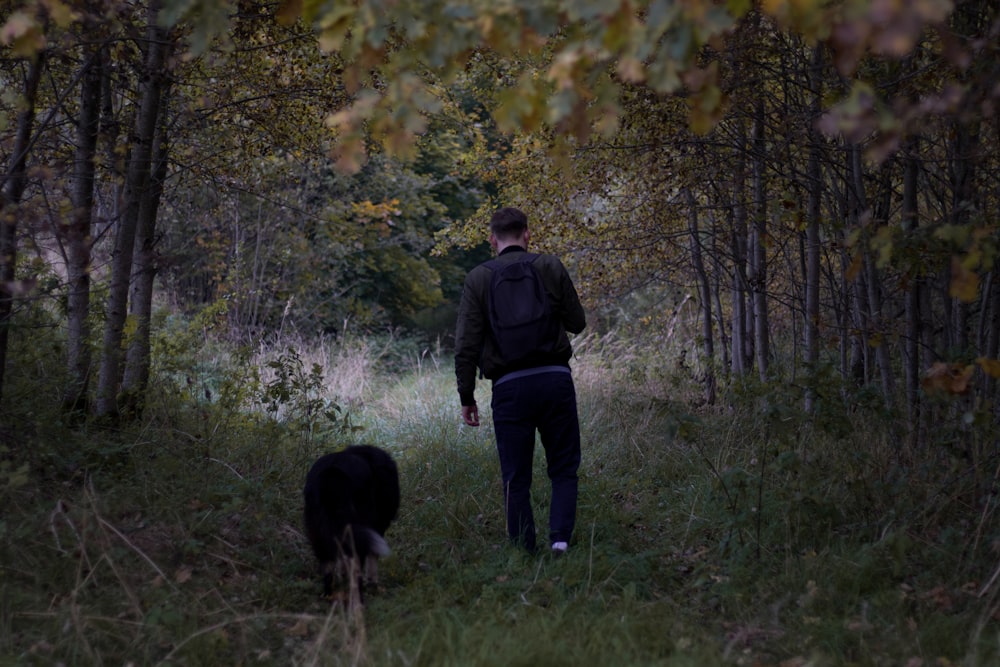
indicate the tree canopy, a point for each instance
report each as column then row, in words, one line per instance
column 566, row 63
column 802, row 172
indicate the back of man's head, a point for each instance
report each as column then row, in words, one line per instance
column 508, row 223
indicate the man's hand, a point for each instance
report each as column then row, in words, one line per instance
column 470, row 415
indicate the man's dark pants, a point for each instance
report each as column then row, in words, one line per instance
column 546, row 402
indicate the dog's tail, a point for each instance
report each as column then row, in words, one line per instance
column 375, row 543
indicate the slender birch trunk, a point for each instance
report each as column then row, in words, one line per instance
column 137, row 360
column 742, row 349
column 758, row 251
column 705, row 298
column 815, row 185
column 78, row 235
column 136, row 182
column 910, row 222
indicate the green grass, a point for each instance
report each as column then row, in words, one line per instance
column 738, row 535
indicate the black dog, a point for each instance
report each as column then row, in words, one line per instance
column 351, row 497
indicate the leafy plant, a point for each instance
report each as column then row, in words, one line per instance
column 295, row 395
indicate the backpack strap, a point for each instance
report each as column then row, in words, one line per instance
column 497, row 262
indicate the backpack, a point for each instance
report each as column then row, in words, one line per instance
column 519, row 311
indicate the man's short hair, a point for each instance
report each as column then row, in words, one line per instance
column 508, row 223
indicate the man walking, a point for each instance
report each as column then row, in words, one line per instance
column 512, row 323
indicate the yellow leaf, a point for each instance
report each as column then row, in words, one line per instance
column 631, row 69
column 774, row 7
column 22, row 34
column 854, row 269
column 949, row 378
column 562, row 70
column 964, row 283
column 62, row 15
column 990, row 366
column 701, row 123
column 607, row 121
column 350, row 155
column 400, row 143
column 340, row 120
column 335, row 26
column 18, row 24
column 288, row 11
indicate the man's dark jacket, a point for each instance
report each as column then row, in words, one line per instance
column 475, row 346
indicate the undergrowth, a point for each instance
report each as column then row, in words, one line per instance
column 737, row 534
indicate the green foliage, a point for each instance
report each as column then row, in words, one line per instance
column 331, row 249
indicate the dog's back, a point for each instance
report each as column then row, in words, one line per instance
column 351, row 498
column 384, row 483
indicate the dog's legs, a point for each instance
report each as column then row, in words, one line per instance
column 355, row 582
column 328, row 571
column 371, row 570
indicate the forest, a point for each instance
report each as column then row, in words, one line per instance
column 233, row 236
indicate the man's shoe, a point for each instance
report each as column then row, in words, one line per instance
column 559, row 548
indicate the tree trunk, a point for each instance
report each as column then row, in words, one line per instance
column 78, row 236
column 705, row 298
column 883, row 348
column 11, row 192
column 815, row 185
column 137, row 178
column 137, row 360
column 962, row 170
column 758, row 251
column 741, row 346
column 720, row 318
column 910, row 222
column 991, row 318
column 860, row 341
